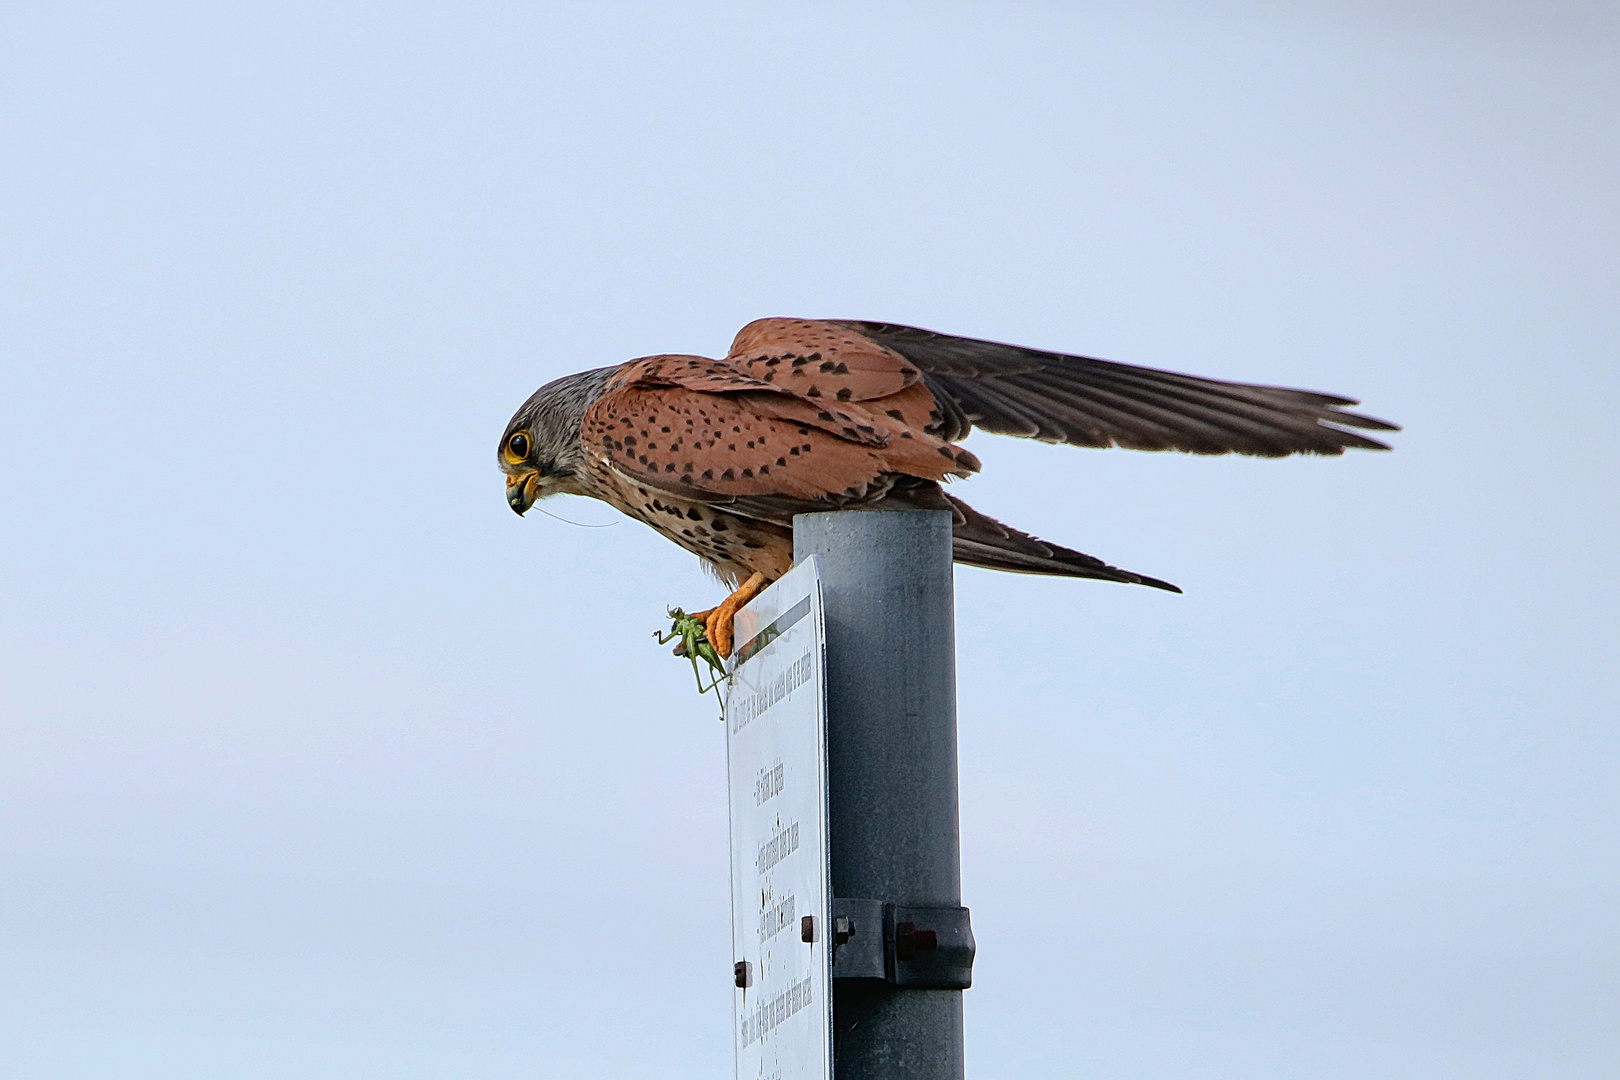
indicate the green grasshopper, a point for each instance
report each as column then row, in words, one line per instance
column 694, row 645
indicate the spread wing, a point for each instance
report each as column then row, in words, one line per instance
column 780, row 432
column 1054, row 397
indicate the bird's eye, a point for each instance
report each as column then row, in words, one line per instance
column 517, row 447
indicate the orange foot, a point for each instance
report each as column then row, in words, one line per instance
column 717, row 620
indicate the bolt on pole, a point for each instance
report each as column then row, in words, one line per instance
column 887, row 584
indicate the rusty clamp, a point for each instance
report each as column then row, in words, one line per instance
column 929, row 948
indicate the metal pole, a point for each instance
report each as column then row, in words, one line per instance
column 891, row 765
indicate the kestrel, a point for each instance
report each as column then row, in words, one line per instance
column 805, row 415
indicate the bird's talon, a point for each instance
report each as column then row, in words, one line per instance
column 718, row 626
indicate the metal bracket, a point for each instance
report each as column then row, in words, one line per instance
column 927, row 948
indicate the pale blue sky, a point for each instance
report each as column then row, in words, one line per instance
column 317, row 762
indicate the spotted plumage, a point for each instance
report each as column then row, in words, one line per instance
column 805, row 415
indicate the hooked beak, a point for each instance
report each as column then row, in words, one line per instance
column 520, row 492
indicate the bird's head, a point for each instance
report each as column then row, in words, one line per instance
column 540, row 452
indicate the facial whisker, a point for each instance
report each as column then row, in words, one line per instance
column 578, row 524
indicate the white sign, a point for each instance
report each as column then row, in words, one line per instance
column 776, row 757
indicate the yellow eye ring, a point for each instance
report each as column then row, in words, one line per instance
column 517, row 448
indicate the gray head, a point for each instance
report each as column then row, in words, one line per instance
column 541, row 453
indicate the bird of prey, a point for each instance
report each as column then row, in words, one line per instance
column 805, row 415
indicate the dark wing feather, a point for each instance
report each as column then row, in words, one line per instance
column 1054, row 397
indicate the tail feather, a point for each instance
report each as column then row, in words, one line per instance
column 979, row 540
column 983, row 541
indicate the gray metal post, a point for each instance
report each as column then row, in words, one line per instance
column 891, row 765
